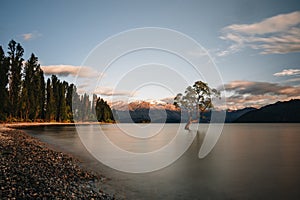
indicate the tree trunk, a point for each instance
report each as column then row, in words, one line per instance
column 187, row 126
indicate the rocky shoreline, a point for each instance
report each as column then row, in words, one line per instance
column 29, row 169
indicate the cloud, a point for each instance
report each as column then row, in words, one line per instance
column 257, row 94
column 279, row 34
column 293, row 80
column 169, row 100
column 30, row 36
column 197, row 53
column 82, row 86
column 106, row 91
column 278, row 23
column 288, row 72
column 261, row 88
column 70, row 70
column 27, row 36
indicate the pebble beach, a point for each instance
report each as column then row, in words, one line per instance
column 30, row 169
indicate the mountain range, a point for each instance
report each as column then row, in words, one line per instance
column 146, row 111
column 287, row 111
column 165, row 112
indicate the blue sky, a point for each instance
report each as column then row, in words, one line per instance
column 255, row 44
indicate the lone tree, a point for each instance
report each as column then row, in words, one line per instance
column 196, row 100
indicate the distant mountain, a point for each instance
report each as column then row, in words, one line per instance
column 148, row 115
column 135, row 105
column 288, row 111
column 233, row 115
column 164, row 112
column 146, row 111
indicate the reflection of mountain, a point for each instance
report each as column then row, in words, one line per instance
column 288, row 111
column 161, row 112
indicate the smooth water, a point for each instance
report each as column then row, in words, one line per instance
column 249, row 161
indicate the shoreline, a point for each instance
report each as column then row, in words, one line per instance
column 36, row 124
column 30, row 168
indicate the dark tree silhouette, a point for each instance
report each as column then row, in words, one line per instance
column 50, row 103
column 4, row 101
column 33, row 91
column 71, row 89
column 15, row 52
column 103, row 111
column 25, row 97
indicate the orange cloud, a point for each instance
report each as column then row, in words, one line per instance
column 27, row 36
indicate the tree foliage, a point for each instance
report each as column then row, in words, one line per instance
column 33, row 91
column 103, row 111
column 4, row 101
column 15, row 59
column 26, row 97
column 195, row 100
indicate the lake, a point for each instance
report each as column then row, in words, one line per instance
column 249, row 161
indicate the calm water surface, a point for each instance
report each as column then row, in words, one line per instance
column 249, row 161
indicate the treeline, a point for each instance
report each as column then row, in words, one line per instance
column 26, row 97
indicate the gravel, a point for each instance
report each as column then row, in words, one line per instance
column 29, row 169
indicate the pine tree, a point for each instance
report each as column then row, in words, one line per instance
column 94, row 104
column 15, row 53
column 62, row 101
column 4, row 102
column 50, row 104
column 103, row 111
column 42, row 93
column 85, row 108
column 55, row 89
column 39, row 90
column 76, row 105
column 33, row 91
column 69, row 97
column 28, row 99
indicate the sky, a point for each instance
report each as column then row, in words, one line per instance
column 253, row 45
